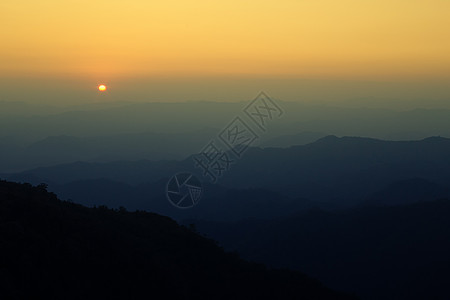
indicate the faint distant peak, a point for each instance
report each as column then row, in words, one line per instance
column 332, row 139
column 435, row 139
column 327, row 138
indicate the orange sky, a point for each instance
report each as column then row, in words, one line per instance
column 311, row 39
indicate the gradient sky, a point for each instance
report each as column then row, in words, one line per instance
column 89, row 42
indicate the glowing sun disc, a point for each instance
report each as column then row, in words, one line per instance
column 102, row 87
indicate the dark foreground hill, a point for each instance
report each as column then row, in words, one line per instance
column 59, row 250
column 397, row 252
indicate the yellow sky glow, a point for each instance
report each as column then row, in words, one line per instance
column 320, row 38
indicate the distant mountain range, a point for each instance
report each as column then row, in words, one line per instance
column 108, row 119
column 55, row 150
column 343, row 169
column 33, row 135
column 330, row 173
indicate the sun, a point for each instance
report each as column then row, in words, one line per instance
column 102, row 87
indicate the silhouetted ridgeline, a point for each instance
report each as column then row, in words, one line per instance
column 101, row 132
column 59, row 250
column 329, row 173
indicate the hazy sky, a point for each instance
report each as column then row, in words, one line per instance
column 220, row 50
